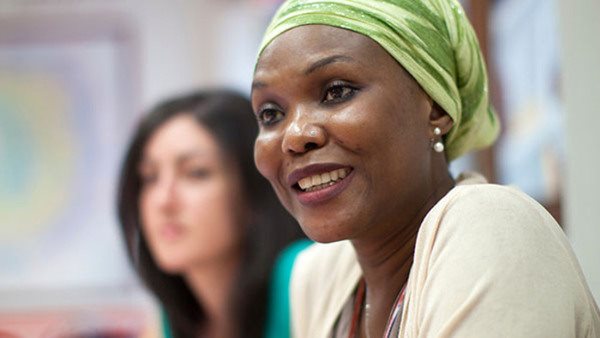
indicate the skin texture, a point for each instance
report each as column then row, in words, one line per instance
column 186, row 205
column 325, row 95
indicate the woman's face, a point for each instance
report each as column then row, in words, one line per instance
column 344, row 132
column 188, row 197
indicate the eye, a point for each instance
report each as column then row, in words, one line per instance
column 148, row 179
column 338, row 92
column 269, row 115
column 199, row 173
column 147, row 174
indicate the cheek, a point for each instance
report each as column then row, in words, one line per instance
column 147, row 214
column 213, row 218
column 383, row 123
column 358, row 129
column 150, row 229
column 266, row 156
column 268, row 159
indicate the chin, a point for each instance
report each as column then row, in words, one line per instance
column 329, row 226
column 324, row 234
column 170, row 266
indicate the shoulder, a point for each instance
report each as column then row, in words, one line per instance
column 492, row 225
column 495, row 258
column 493, row 212
column 324, row 266
column 491, row 198
column 323, row 277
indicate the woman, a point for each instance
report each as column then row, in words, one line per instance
column 202, row 227
column 361, row 105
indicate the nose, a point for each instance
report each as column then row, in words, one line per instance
column 165, row 194
column 303, row 135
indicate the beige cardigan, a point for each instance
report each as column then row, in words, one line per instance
column 489, row 262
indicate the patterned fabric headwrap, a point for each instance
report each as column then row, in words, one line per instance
column 432, row 39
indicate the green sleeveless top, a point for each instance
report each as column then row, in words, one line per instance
column 278, row 311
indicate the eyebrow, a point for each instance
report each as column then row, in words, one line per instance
column 313, row 67
column 190, row 155
column 258, row 84
column 327, row 61
column 181, row 158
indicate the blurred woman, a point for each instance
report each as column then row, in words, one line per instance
column 202, row 228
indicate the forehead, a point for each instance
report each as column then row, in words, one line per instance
column 287, row 64
column 310, row 43
column 179, row 135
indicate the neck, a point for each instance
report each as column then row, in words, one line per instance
column 386, row 257
column 212, row 285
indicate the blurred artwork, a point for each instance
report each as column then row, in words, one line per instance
column 530, row 151
column 61, row 129
column 66, row 109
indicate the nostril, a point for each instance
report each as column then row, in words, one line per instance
column 310, row 146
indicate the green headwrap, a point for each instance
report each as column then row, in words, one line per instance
column 431, row 39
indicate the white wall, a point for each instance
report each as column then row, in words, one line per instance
column 197, row 43
column 580, row 37
column 182, row 43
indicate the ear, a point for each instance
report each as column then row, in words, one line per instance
column 440, row 119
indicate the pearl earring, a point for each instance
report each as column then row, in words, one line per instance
column 438, row 146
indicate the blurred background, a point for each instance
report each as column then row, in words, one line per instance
column 75, row 76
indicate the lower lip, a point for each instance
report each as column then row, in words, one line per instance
column 311, row 198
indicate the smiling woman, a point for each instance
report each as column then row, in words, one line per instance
column 361, row 105
column 367, row 111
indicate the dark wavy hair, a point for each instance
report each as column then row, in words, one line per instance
column 228, row 116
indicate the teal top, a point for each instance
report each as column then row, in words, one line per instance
column 166, row 328
column 278, row 311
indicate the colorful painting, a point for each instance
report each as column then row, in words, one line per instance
column 66, row 110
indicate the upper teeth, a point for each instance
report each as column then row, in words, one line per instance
column 315, row 180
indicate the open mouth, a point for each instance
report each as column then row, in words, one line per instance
column 321, row 181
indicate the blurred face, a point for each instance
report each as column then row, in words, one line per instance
column 344, row 132
column 187, row 202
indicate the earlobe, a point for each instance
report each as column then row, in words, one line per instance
column 440, row 124
column 438, row 118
